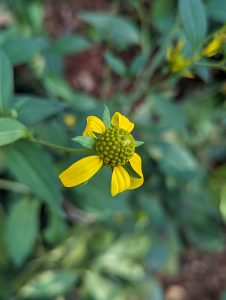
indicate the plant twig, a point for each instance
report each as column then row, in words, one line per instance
column 58, row 147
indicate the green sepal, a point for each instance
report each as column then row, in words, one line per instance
column 138, row 143
column 106, row 117
column 131, row 171
column 86, row 141
column 11, row 130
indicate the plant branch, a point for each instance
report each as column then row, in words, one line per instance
column 58, row 147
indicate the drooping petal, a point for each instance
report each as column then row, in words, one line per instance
column 94, row 124
column 121, row 121
column 81, row 171
column 120, row 180
column 136, row 164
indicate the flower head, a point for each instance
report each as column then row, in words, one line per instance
column 177, row 61
column 114, row 147
column 69, row 120
column 216, row 44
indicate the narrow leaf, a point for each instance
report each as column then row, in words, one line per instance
column 216, row 10
column 115, row 63
column 138, row 143
column 119, row 30
column 21, row 50
column 193, row 17
column 6, row 82
column 107, row 117
column 70, row 44
column 33, row 110
column 21, row 229
column 85, row 141
column 11, row 131
column 58, row 87
column 48, row 285
column 33, row 166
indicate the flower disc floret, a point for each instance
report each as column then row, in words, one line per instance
column 116, row 146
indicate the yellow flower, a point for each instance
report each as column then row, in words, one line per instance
column 114, row 147
column 69, row 120
column 177, row 62
column 216, row 43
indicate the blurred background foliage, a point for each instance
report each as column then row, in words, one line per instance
column 161, row 63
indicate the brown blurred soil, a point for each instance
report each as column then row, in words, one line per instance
column 85, row 71
column 202, row 276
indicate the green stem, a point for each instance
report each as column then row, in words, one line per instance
column 211, row 65
column 14, row 186
column 142, row 83
column 59, row 148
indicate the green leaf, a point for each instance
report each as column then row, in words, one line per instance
column 70, row 44
column 119, row 30
column 138, row 143
column 11, row 131
column 120, row 258
column 21, row 50
column 216, row 10
column 95, row 198
column 83, row 102
column 223, row 295
column 222, row 206
column 48, row 284
column 138, row 63
column 32, row 110
column 115, row 63
column 33, row 166
column 21, row 229
column 86, row 141
column 171, row 114
column 109, row 289
column 163, row 15
column 155, row 290
column 56, row 229
column 175, row 160
column 54, row 63
column 60, row 88
column 6, row 82
column 193, row 17
column 107, row 117
column 52, row 131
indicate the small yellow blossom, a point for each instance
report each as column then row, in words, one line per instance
column 69, row 120
column 177, row 61
column 216, row 44
column 114, row 147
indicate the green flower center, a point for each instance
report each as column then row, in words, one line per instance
column 116, row 146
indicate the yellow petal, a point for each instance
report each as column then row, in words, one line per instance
column 81, row 171
column 189, row 74
column 169, row 52
column 212, row 48
column 120, row 180
column 121, row 121
column 136, row 164
column 94, row 124
column 179, row 46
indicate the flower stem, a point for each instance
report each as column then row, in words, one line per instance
column 57, row 147
column 220, row 65
column 14, row 186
